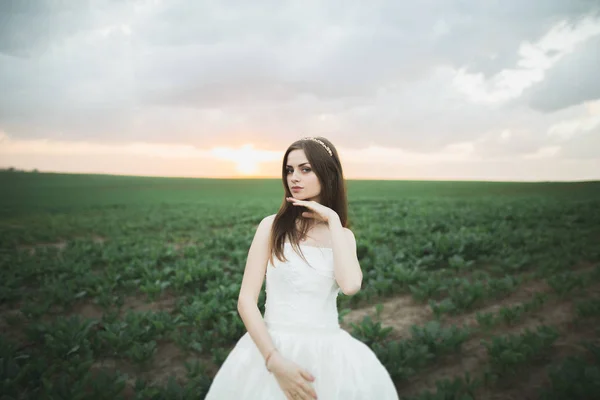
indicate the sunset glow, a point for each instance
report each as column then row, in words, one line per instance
column 455, row 161
column 216, row 91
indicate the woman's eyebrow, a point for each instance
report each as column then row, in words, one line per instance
column 304, row 163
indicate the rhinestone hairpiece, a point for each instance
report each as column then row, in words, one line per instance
column 321, row 143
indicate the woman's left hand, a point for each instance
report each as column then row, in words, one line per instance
column 318, row 211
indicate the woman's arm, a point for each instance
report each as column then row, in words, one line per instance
column 293, row 379
column 254, row 275
column 346, row 266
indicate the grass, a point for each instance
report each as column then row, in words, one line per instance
column 125, row 287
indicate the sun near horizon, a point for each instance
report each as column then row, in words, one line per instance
column 247, row 160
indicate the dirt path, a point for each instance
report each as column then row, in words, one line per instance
column 403, row 311
column 473, row 357
column 400, row 313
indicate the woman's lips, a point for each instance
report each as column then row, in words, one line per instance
column 296, row 189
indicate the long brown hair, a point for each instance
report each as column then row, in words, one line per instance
column 333, row 195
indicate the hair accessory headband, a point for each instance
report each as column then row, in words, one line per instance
column 321, row 143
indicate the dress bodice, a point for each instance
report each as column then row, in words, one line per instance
column 302, row 296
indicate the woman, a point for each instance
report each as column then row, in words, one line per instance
column 308, row 255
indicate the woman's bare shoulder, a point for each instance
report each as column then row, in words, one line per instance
column 268, row 221
column 350, row 234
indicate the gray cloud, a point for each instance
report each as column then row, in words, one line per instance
column 573, row 80
column 326, row 51
column 29, row 28
column 362, row 74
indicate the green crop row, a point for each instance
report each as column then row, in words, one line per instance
column 509, row 315
column 508, row 353
column 458, row 388
column 36, row 374
column 404, row 358
column 574, row 377
column 465, row 295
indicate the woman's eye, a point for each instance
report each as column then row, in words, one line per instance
column 289, row 171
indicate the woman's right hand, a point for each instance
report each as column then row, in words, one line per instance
column 293, row 379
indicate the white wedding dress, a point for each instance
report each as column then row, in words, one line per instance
column 302, row 318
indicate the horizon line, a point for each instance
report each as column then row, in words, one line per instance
column 273, row 177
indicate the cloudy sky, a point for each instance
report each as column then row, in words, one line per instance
column 430, row 89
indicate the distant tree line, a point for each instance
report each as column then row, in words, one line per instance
column 13, row 169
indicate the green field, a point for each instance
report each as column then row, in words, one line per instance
column 126, row 287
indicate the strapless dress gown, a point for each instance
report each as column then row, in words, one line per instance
column 302, row 318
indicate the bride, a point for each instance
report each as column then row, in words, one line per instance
column 307, row 255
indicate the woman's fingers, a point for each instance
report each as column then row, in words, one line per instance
column 297, row 394
column 307, row 375
column 308, row 214
column 307, row 392
column 289, row 395
column 303, row 385
column 292, row 394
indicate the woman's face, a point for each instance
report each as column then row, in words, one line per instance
column 301, row 174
